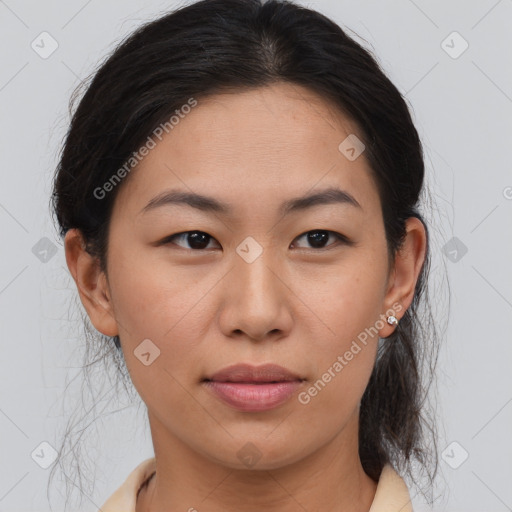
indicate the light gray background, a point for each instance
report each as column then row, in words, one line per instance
column 462, row 107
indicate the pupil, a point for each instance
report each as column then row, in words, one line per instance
column 316, row 237
column 197, row 240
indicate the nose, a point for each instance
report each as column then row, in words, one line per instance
column 256, row 302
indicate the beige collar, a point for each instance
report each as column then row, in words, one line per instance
column 392, row 494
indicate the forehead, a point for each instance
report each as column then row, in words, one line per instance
column 253, row 148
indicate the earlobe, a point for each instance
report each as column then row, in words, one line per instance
column 408, row 263
column 91, row 283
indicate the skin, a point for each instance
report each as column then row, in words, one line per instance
column 295, row 305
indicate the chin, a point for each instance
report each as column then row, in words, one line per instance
column 257, row 453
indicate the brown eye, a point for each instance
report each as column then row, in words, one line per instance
column 196, row 240
column 318, row 238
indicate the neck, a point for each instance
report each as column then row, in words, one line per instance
column 331, row 479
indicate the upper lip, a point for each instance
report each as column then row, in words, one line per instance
column 250, row 373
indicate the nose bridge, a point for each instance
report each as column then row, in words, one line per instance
column 254, row 272
column 253, row 301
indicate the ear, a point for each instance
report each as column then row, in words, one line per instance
column 91, row 283
column 405, row 272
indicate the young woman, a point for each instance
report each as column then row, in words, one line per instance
column 238, row 195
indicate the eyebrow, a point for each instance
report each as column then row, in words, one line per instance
column 326, row 196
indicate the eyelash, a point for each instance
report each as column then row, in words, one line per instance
column 341, row 238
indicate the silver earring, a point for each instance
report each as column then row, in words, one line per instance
column 392, row 320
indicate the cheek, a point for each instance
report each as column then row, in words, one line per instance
column 152, row 297
column 155, row 303
column 161, row 304
column 345, row 301
column 343, row 365
column 343, row 334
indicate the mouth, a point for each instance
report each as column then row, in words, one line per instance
column 246, row 373
column 255, row 382
column 253, row 396
column 253, row 389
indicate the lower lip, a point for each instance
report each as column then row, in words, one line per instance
column 254, row 397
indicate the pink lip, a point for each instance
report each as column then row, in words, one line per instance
column 253, row 397
column 253, row 388
column 250, row 373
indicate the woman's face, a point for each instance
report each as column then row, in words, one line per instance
column 252, row 286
